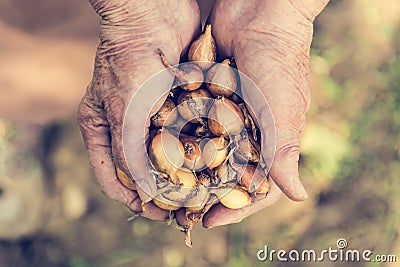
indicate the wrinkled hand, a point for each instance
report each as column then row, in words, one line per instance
column 130, row 35
column 270, row 41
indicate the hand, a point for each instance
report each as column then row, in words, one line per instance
column 130, row 35
column 270, row 41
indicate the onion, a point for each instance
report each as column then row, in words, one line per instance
column 215, row 151
column 192, row 77
column 185, row 186
column 203, row 49
column 236, row 98
column 125, row 179
column 247, row 150
column 165, row 204
column 225, row 173
column 252, row 178
column 194, row 105
column 248, row 120
column 225, row 118
column 166, row 115
column 221, row 80
column 189, row 75
column 193, row 156
column 186, row 178
column 234, row 198
column 166, row 153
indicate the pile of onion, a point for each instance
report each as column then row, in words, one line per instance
column 204, row 145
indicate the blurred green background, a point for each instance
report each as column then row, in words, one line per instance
column 52, row 212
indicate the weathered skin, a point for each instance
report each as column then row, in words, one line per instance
column 130, row 34
column 270, row 41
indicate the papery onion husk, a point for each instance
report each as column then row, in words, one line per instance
column 192, row 77
column 202, row 130
column 185, row 186
column 225, row 173
column 197, row 202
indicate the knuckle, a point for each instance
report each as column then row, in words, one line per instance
column 288, row 147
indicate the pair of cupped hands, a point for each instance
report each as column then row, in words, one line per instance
column 270, row 42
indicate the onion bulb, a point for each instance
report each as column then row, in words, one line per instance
column 215, row 151
column 252, row 178
column 234, row 198
column 166, row 115
column 186, row 178
column 247, row 150
column 193, row 156
column 225, row 118
column 165, row 204
column 189, row 75
column 203, row 49
column 185, row 186
column 193, row 105
column 166, row 152
column 125, row 179
column 221, row 80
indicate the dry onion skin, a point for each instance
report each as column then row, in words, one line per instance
column 252, row 178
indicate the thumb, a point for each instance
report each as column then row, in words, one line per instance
column 284, row 171
column 289, row 117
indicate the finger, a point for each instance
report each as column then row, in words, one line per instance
column 96, row 135
column 220, row 215
column 280, row 116
column 288, row 107
column 282, row 78
column 310, row 8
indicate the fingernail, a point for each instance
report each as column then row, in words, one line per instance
column 299, row 189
